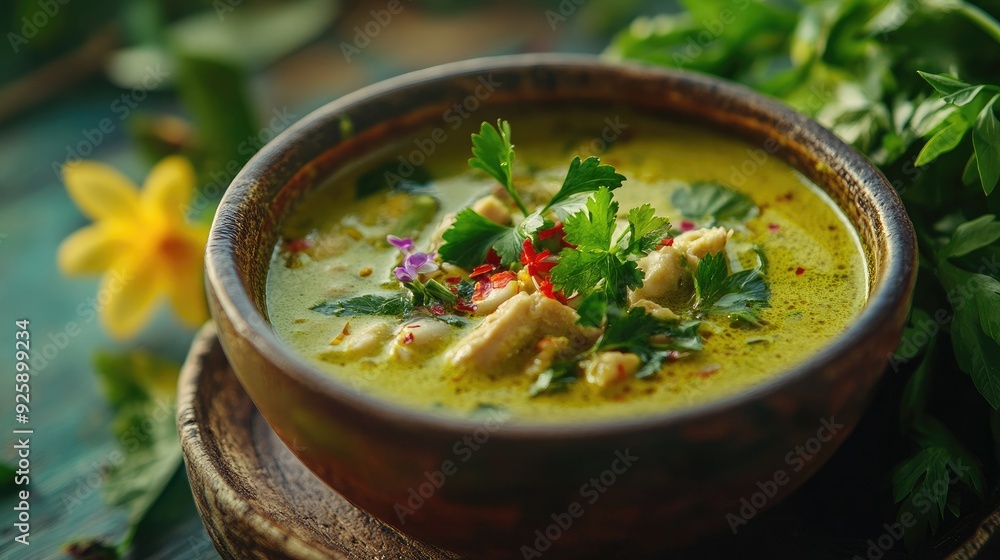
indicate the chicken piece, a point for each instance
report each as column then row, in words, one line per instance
column 664, row 271
column 493, row 209
column 656, row 310
column 362, row 344
column 611, row 368
column 505, row 336
column 420, row 339
column 697, row 243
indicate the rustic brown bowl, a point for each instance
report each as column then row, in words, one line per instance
column 537, row 489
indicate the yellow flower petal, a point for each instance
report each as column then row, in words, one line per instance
column 100, row 190
column 91, row 249
column 128, row 294
column 187, row 284
column 170, row 186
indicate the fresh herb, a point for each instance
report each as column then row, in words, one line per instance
column 711, row 203
column 599, row 262
column 471, row 236
column 862, row 69
column 493, row 153
column 398, row 305
column 634, row 331
column 739, row 295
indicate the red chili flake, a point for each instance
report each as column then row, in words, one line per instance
column 687, row 225
column 483, row 289
column 462, row 306
column 493, row 258
column 481, row 270
column 622, row 374
column 773, row 227
column 786, row 197
column 343, row 334
column 673, row 355
column 667, row 242
column 538, row 265
column 437, row 309
column 298, row 245
column 453, row 279
column 547, row 288
column 800, row 271
column 556, row 230
column 408, row 338
column 501, row 279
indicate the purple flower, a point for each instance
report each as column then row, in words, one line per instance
column 414, row 265
column 404, row 244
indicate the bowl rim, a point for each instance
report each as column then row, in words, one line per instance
column 889, row 291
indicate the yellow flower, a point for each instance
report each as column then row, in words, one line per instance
column 140, row 241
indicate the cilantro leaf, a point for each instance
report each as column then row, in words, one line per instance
column 594, row 227
column 583, row 177
column 711, row 203
column 645, row 231
column 740, row 295
column 581, row 271
column 593, row 308
column 493, row 153
column 558, row 377
column 370, row 304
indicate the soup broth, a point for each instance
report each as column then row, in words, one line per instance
column 333, row 247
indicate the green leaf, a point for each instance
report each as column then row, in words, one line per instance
column 593, row 228
column 977, row 353
column 963, row 97
column 645, row 231
column 398, row 305
column 584, row 177
column 986, row 139
column 946, row 140
column 557, row 378
column 593, row 308
column 711, row 203
column 740, row 295
column 7, row 476
column 582, row 271
column 974, row 234
column 493, row 153
column 944, row 84
column 471, row 236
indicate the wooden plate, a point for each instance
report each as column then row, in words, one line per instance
column 258, row 501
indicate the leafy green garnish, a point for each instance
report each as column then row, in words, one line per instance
column 599, row 262
column 558, row 377
column 471, row 236
column 739, row 295
column 711, row 203
column 493, row 153
column 370, row 304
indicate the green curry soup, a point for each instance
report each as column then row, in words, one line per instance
column 560, row 320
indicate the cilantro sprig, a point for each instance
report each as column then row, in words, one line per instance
column 471, row 236
column 740, row 295
column 599, row 261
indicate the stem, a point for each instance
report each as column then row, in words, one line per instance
column 980, row 18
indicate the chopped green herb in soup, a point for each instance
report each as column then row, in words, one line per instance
column 674, row 267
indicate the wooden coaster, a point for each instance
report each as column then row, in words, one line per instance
column 258, row 501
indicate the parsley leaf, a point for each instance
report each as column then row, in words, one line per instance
column 558, row 377
column 645, row 231
column 711, row 203
column 471, row 236
column 584, row 177
column 493, row 153
column 370, row 304
column 740, row 295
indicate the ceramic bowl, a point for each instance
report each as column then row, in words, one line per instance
column 613, row 489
